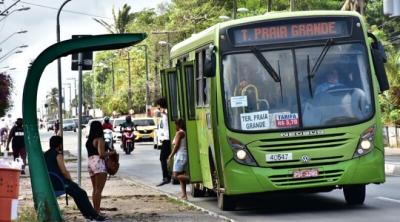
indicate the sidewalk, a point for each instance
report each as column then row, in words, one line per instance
column 392, row 168
column 123, row 200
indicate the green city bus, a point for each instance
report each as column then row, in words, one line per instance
column 282, row 101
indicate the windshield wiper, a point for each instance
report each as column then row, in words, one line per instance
column 267, row 66
column 280, row 82
column 320, row 58
column 309, row 76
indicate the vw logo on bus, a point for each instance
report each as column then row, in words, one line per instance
column 305, row 159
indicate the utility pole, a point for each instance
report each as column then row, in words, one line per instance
column 80, row 80
column 113, row 80
column 129, row 83
column 76, row 95
column 269, row 6
column 292, row 5
column 60, row 117
column 234, row 9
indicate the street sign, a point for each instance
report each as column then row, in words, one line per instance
column 87, row 58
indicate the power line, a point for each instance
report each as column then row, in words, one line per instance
column 69, row 11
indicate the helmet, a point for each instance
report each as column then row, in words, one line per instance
column 128, row 119
column 106, row 119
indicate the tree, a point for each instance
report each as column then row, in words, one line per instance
column 6, row 86
column 121, row 20
column 52, row 102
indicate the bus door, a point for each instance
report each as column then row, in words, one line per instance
column 169, row 80
column 187, row 81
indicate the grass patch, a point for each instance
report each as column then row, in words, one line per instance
column 27, row 214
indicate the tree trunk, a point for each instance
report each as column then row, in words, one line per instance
column 269, row 6
column 354, row 5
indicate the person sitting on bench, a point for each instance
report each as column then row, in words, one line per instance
column 55, row 163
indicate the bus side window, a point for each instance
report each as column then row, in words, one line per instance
column 189, row 77
column 199, row 79
column 202, row 83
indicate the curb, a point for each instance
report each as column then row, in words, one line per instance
column 209, row 212
column 392, row 169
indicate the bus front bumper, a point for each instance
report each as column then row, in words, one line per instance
column 241, row 179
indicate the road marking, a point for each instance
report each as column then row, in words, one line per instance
column 389, row 199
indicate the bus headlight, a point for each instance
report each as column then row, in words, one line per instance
column 366, row 143
column 240, row 153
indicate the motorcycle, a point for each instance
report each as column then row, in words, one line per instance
column 108, row 138
column 128, row 139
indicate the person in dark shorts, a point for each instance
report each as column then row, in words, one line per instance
column 18, row 143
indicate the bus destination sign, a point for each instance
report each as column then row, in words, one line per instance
column 267, row 33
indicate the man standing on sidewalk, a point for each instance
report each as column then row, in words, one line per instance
column 18, row 143
column 55, row 163
column 166, row 145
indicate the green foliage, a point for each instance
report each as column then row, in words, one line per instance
column 182, row 18
column 6, row 86
column 121, row 20
column 318, row 5
column 27, row 214
column 382, row 27
column 52, row 102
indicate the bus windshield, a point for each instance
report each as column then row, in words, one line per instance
column 338, row 93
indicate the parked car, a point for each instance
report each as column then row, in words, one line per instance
column 87, row 128
column 69, row 125
column 144, row 128
column 117, row 126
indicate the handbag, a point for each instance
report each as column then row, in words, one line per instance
column 112, row 163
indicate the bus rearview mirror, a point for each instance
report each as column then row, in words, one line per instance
column 209, row 62
column 379, row 57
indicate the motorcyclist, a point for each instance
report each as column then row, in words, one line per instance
column 107, row 124
column 128, row 123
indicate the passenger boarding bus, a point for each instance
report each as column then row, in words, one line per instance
column 279, row 102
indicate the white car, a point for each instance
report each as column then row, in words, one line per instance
column 117, row 126
column 87, row 127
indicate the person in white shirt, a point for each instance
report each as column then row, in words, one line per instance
column 3, row 133
column 165, row 150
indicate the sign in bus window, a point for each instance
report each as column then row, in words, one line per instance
column 267, row 33
column 255, row 120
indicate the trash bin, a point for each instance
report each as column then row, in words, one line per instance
column 9, row 189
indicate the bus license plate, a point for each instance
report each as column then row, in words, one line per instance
column 279, row 157
column 305, row 173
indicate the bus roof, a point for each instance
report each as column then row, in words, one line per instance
column 209, row 34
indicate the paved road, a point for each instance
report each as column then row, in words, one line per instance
column 382, row 202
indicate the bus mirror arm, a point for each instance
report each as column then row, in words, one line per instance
column 379, row 58
column 210, row 62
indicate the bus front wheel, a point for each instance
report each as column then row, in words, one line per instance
column 225, row 202
column 354, row 194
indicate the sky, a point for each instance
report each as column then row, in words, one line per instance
column 40, row 22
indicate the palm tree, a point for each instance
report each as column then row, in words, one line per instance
column 52, row 101
column 121, row 20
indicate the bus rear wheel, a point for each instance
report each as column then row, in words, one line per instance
column 197, row 190
column 225, row 202
column 354, row 194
